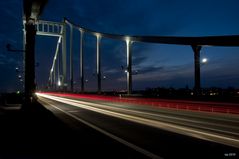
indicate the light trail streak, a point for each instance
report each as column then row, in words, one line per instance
column 133, row 146
column 202, row 134
column 196, row 106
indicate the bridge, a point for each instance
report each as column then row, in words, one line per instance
column 58, row 76
column 211, row 123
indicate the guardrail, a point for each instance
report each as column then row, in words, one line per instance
column 228, row 108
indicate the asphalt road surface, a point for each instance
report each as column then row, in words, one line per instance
column 153, row 132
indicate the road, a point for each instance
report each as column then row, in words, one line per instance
column 154, row 132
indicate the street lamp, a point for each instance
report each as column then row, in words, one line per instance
column 59, row 83
column 204, row 60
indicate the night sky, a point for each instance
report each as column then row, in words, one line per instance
column 156, row 64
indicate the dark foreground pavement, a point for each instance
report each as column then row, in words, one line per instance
column 37, row 134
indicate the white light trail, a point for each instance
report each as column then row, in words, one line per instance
column 154, row 123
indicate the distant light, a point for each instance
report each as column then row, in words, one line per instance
column 19, row 76
column 125, row 71
column 86, row 80
column 213, row 94
column 104, row 77
column 59, row 83
column 81, row 30
column 17, row 69
column 127, row 39
column 59, row 40
column 18, row 92
column 98, row 35
column 204, row 60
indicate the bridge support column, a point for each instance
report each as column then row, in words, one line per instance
column 71, row 59
column 30, row 61
column 129, row 66
column 64, row 79
column 82, row 60
column 54, row 78
column 98, row 63
column 197, row 78
column 50, row 80
column 58, row 72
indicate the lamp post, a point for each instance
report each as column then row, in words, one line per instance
column 203, row 62
column 197, row 78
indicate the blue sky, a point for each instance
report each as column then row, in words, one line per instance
column 157, row 64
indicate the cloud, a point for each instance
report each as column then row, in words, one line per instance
column 110, row 71
column 153, row 73
column 137, row 60
column 8, row 61
column 2, row 59
column 149, row 69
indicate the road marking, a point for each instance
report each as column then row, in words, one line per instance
column 73, row 111
column 161, row 116
column 133, row 146
column 185, row 113
column 166, row 126
column 140, row 113
column 115, row 109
